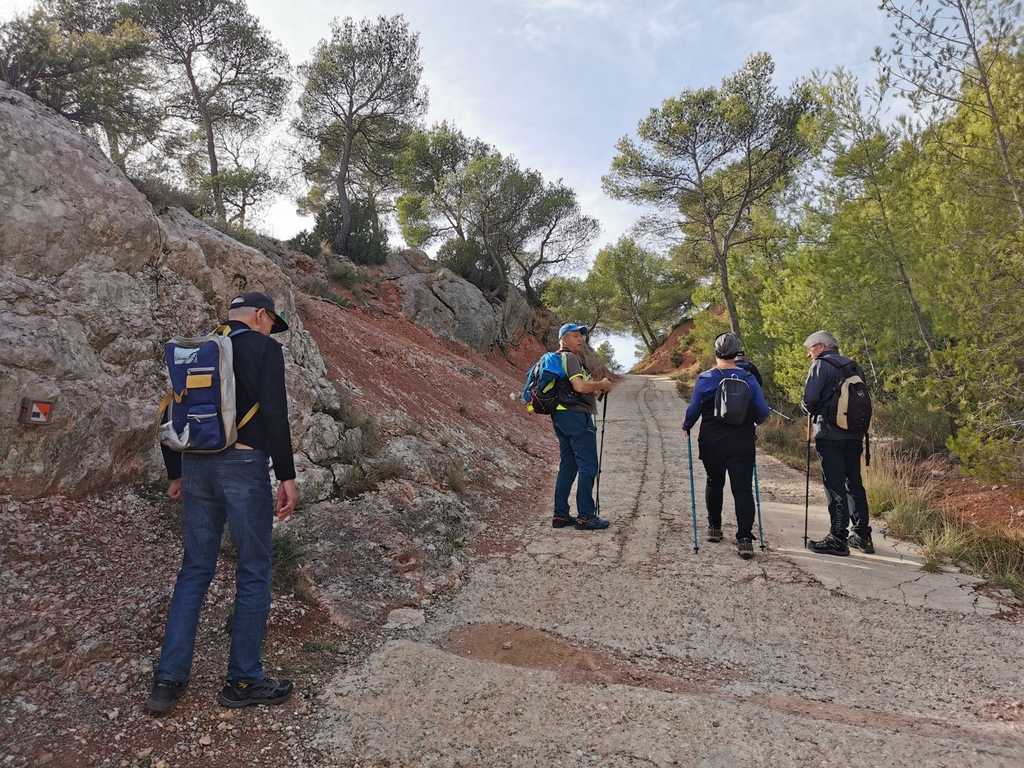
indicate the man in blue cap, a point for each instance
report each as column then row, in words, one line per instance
column 574, row 426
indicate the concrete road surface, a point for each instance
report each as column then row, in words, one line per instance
column 625, row 648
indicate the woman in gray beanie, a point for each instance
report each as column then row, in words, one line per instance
column 727, row 447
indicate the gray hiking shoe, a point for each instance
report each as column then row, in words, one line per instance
column 830, row 545
column 863, row 543
column 714, row 534
column 164, row 694
column 265, row 691
column 746, row 548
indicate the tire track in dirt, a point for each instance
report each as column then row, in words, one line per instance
column 641, row 537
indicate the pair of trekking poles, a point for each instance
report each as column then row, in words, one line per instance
column 693, row 499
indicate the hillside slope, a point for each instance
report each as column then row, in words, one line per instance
column 448, row 459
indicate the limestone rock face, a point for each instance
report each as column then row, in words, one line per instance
column 93, row 281
column 449, row 306
column 437, row 298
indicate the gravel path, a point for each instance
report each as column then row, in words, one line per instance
column 625, row 648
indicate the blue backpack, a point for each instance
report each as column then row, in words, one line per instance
column 548, row 385
column 198, row 414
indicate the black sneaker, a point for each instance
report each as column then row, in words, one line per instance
column 830, row 545
column 265, row 691
column 562, row 522
column 591, row 524
column 714, row 534
column 164, row 694
column 746, row 548
column 863, row 543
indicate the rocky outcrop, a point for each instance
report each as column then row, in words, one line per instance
column 93, row 281
column 436, row 298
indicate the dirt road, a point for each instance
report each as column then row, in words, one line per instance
column 625, row 648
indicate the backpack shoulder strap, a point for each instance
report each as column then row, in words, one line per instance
column 842, row 366
column 226, row 330
column 743, row 375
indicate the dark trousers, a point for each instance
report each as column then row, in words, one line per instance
column 738, row 461
column 840, row 472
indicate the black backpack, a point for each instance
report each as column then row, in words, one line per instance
column 850, row 407
column 732, row 398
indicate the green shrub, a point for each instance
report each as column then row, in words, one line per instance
column 324, row 291
column 468, row 260
column 910, row 510
column 286, row 569
column 163, row 194
column 345, row 274
column 919, row 428
column 785, row 440
column 308, row 243
column 367, row 476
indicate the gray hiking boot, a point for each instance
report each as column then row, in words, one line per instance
column 830, row 545
column 746, row 548
column 863, row 543
column 164, row 694
column 714, row 534
column 265, row 691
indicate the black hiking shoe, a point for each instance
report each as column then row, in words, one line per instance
column 164, row 694
column 746, row 548
column 265, row 691
column 594, row 523
column 714, row 534
column 830, row 545
column 863, row 543
column 562, row 522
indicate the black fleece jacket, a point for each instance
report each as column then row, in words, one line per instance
column 820, row 389
column 259, row 378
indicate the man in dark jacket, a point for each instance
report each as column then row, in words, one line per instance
column 233, row 486
column 838, row 451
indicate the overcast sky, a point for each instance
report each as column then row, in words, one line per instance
column 557, row 82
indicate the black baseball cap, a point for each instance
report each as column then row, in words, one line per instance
column 260, row 300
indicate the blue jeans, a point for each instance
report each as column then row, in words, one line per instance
column 232, row 486
column 840, row 473
column 577, row 446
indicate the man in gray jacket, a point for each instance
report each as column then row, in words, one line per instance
column 839, row 450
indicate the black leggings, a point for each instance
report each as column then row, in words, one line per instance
column 738, row 461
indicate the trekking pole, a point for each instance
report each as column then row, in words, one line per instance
column 757, row 497
column 807, row 486
column 780, row 413
column 693, row 493
column 600, row 451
